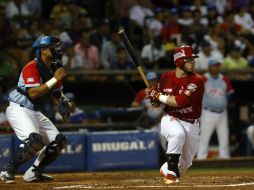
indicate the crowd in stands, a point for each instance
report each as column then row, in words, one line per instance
column 216, row 29
column 221, row 30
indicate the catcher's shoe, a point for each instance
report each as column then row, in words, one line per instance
column 7, row 177
column 33, row 174
column 170, row 177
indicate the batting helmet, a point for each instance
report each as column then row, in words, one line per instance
column 181, row 53
column 49, row 41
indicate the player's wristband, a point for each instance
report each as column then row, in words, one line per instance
column 50, row 83
column 163, row 98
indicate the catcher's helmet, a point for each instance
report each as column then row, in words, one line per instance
column 181, row 53
column 48, row 41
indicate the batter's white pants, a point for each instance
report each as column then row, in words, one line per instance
column 209, row 122
column 162, row 139
column 182, row 137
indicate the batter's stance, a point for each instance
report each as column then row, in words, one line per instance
column 181, row 90
column 39, row 80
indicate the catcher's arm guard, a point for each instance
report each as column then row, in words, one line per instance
column 64, row 107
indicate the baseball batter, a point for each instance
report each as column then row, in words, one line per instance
column 181, row 90
column 39, row 80
column 214, row 115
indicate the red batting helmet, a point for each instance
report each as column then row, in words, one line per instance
column 181, row 53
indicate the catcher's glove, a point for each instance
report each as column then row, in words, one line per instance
column 64, row 108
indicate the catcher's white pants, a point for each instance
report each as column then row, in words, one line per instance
column 25, row 121
column 208, row 123
column 182, row 137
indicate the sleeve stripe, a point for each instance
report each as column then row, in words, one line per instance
column 32, row 85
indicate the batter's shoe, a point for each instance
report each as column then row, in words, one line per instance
column 7, row 177
column 33, row 174
column 170, row 177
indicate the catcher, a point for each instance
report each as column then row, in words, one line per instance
column 39, row 81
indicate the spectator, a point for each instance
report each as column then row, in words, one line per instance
column 122, row 61
column 61, row 14
column 16, row 9
column 139, row 12
column 102, row 34
column 72, row 61
column 221, row 5
column 235, row 60
column 34, row 6
column 171, row 29
column 243, row 18
column 206, row 53
column 71, row 35
column 214, row 37
column 198, row 5
column 229, row 27
column 218, row 89
column 109, row 50
column 88, row 52
column 213, row 17
column 153, row 53
column 198, row 28
column 155, row 24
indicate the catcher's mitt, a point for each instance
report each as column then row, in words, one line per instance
column 64, row 108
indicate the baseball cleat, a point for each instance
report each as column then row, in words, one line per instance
column 34, row 175
column 7, row 177
column 170, row 177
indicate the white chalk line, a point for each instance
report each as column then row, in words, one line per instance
column 149, row 186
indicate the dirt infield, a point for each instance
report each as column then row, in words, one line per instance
column 142, row 180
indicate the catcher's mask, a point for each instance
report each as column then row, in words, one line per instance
column 183, row 54
column 51, row 42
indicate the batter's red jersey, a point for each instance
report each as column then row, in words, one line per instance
column 188, row 91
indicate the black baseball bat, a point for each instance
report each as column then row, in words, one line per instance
column 133, row 55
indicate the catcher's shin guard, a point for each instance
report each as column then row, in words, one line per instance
column 173, row 160
column 25, row 152
column 52, row 151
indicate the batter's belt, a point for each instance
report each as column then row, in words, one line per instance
column 191, row 121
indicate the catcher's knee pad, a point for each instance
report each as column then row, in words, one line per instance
column 34, row 143
column 53, row 150
column 56, row 146
column 26, row 150
column 173, row 160
column 61, row 140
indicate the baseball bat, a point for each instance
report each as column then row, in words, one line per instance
column 133, row 55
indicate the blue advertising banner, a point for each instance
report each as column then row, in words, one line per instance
column 122, row 150
column 5, row 149
column 71, row 159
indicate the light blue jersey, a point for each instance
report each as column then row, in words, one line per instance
column 216, row 92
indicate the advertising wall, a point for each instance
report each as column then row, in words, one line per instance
column 122, row 150
column 96, row 151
